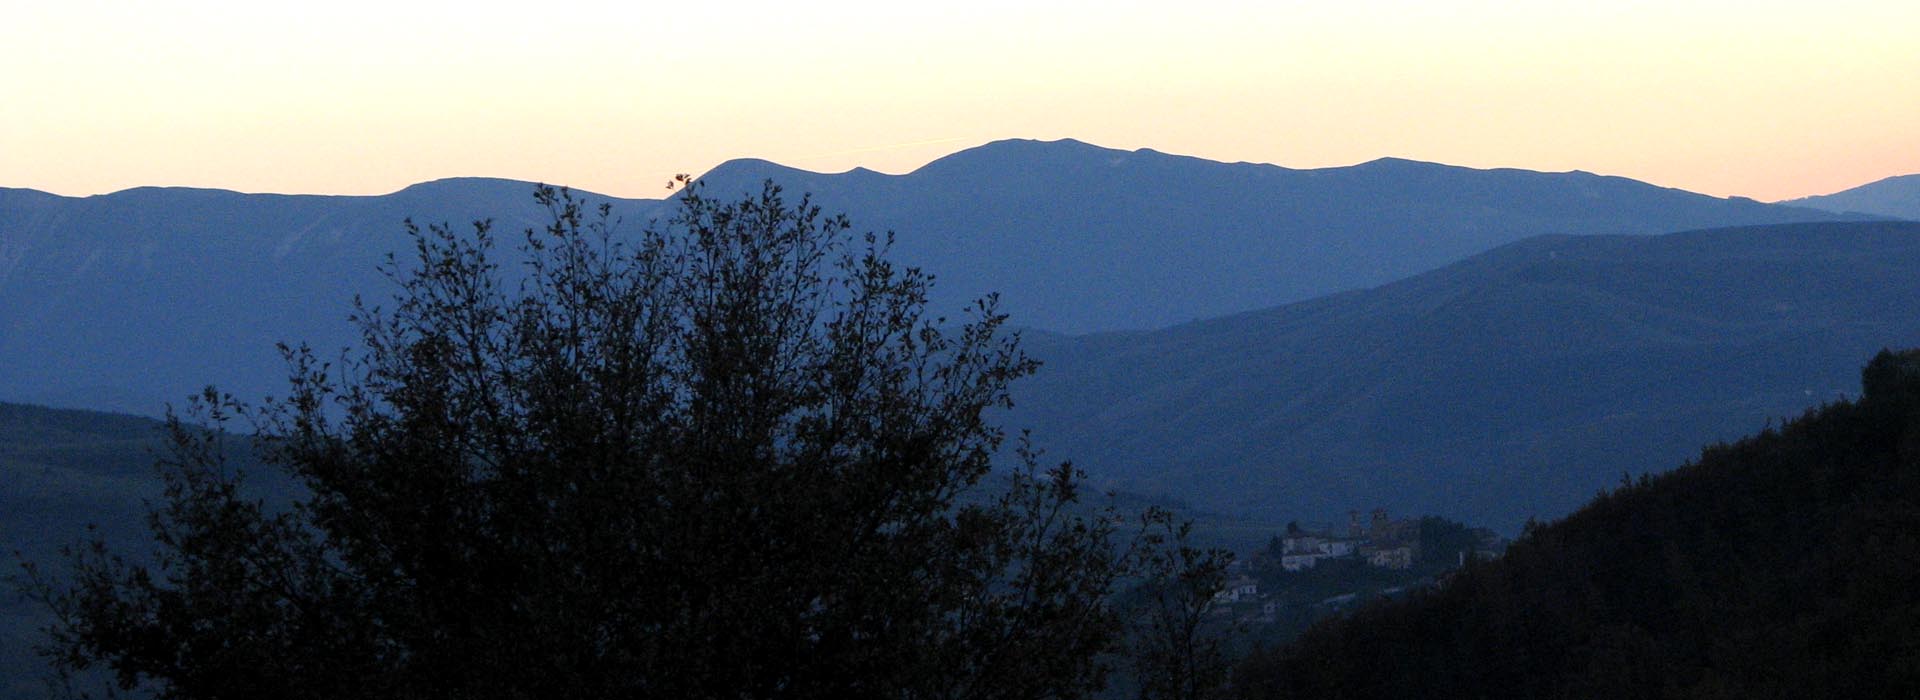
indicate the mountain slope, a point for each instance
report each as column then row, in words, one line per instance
column 1898, row 197
column 1509, row 385
column 1780, row 566
column 130, row 300
column 64, row 476
column 62, row 471
column 1079, row 238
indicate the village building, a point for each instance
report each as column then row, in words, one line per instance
column 1302, row 542
column 1396, row 558
column 1237, row 590
column 1302, row 549
column 1391, row 544
column 1337, row 548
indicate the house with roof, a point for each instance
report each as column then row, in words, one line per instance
column 1239, row 589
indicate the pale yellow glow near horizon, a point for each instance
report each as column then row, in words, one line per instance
column 1770, row 100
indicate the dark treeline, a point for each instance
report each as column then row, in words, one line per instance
column 1779, row 566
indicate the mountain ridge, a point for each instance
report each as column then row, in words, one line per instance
column 1897, row 197
column 1500, row 387
column 1149, row 225
column 158, row 292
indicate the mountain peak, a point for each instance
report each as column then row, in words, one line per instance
column 149, row 191
column 1897, row 196
column 1035, row 146
column 466, row 185
column 1024, row 154
column 751, row 170
column 1396, row 162
column 487, row 190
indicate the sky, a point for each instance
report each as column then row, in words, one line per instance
column 1765, row 99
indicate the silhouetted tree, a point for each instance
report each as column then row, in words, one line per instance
column 719, row 459
column 1177, row 654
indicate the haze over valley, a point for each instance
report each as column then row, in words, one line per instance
column 1246, row 344
column 1248, row 338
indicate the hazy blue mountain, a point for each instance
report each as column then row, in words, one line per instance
column 1513, row 383
column 1079, row 238
column 1898, row 197
column 129, row 300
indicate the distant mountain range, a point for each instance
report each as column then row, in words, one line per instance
column 1897, row 197
column 1508, row 385
column 1079, row 238
column 129, row 300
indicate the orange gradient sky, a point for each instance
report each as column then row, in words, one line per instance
column 1764, row 99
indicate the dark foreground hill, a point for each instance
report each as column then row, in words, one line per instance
column 130, row 300
column 1509, row 385
column 1779, row 566
column 61, row 471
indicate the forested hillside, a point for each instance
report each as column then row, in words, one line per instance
column 64, row 474
column 61, row 471
column 1509, row 385
column 1782, row 565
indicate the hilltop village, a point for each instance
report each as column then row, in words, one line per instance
column 1311, row 572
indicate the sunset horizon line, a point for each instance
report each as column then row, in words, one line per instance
column 896, row 169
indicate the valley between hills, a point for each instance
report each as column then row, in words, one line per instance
column 1247, row 344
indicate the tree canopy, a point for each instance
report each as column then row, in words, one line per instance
column 722, row 458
